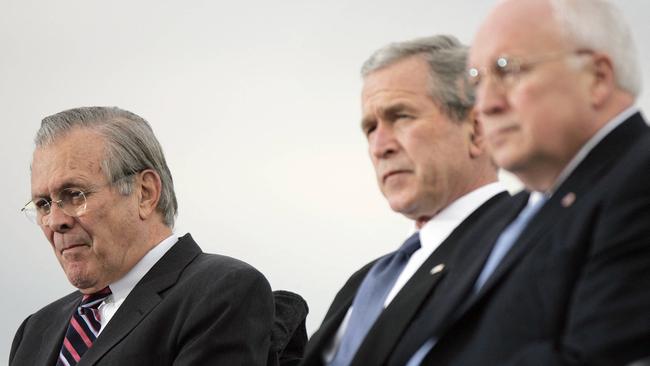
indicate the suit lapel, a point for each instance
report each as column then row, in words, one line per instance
column 401, row 312
column 463, row 268
column 143, row 298
column 340, row 305
column 595, row 165
column 392, row 322
column 471, row 261
column 55, row 331
column 458, row 286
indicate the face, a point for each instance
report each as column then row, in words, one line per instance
column 97, row 247
column 419, row 154
column 535, row 125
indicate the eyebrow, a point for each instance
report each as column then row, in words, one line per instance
column 390, row 110
column 396, row 108
column 70, row 183
column 365, row 121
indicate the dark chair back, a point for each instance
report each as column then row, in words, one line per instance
column 289, row 336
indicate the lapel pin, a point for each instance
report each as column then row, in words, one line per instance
column 568, row 199
column 437, row 268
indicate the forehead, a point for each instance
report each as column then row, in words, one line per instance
column 409, row 76
column 72, row 158
column 517, row 28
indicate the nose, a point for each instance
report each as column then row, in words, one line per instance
column 491, row 96
column 58, row 220
column 382, row 141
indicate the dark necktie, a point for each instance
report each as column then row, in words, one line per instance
column 83, row 328
column 369, row 300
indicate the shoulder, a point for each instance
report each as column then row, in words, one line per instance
column 39, row 324
column 220, row 267
column 204, row 269
column 349, row 289
column 56, row 307
column 231, row 279
column 630, row 177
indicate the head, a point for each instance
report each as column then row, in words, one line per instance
column 549, row 75
column 423, row 139
column 114, row 159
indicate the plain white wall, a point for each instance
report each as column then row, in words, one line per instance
column 256, row 104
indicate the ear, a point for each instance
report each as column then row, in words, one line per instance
column 604, row 82
column 150, row 187
column 476, row 135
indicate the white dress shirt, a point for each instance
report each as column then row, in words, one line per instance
column 432, row 234
column 121, row 288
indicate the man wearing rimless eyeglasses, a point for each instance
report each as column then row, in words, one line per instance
column 566, row 277
column 104, row 198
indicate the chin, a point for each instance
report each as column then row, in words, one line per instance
column 79, row 278
column 404, row 207
column 506, row 159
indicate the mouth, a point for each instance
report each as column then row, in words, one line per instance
column 73, row 246
column 497, row 135
column 392, row 173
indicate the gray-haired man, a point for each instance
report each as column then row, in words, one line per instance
column 427, row 151
column 103, row 195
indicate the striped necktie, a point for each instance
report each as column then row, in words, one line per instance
column 83, row 328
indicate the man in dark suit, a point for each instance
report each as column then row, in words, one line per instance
column 566, row 278
column 103, row 195
column 427, row 151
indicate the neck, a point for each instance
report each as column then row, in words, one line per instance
column 473, row 185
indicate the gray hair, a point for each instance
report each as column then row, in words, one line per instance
column 599, row 25
column 447, row 59
column 131, row 147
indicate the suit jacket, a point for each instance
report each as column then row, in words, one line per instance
column 191, row 308
column 399, row 314
column 575, row 287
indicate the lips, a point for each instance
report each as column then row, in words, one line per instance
column 68, row 247
column 497, row 134
column 391, row 174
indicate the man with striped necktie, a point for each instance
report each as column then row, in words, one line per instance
column 103, row 195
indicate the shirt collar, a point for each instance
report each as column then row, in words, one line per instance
column 122, row 287
column 591, row 143
column 442, row 224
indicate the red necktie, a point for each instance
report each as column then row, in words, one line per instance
column 83, row 328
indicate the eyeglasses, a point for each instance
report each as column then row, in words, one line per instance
column 72, row 201
column 506, row 70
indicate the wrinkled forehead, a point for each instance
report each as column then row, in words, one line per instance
column 75, row 156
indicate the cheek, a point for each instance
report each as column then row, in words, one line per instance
column 49, row 235
column 534, row 106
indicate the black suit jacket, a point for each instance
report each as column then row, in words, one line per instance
column 191, row 308
column 399, row 314
column 575, row 287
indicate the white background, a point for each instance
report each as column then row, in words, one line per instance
column 257, row 106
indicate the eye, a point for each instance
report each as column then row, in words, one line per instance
column 506, row 68
column 474, row 77
column 399, row 116
column 73, row 197
column 368, row 127
column 42, row 206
